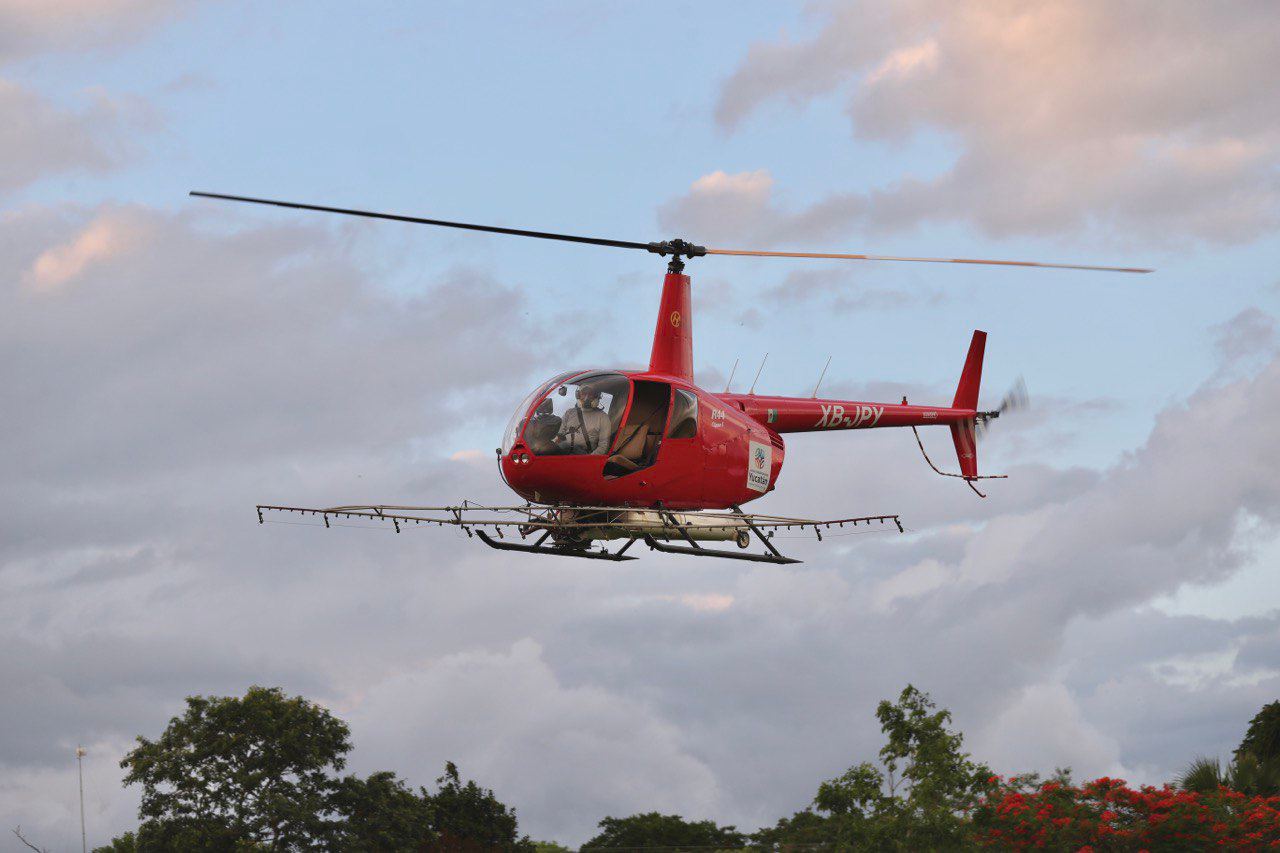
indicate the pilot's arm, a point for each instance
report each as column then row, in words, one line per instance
column 601, row 423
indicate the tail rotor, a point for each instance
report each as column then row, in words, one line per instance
column 1015, row 399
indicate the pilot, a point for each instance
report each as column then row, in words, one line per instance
column 585, row 428
column 543, row 429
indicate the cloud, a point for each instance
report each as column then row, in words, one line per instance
column 738, row 210
column 202, row 366
column 27, row 26
column 1063, row 116
column 1248, row 336
column 500, row 714
column 101, row 240
column 39, row 138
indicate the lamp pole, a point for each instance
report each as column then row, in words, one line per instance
column 84, row 845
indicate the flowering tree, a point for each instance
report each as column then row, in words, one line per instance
column 1106, row 814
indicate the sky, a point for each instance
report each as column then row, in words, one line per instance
column 171, row 362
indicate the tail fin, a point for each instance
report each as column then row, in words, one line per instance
column 967, row 398
column 971, row 376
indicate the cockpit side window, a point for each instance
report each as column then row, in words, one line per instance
column 579, row 417
column 684, row 415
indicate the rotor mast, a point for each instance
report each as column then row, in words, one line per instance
column 672, row 353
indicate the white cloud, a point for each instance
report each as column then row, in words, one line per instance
column 502, row 714
column 27, row 26
column 1042, row 729
column 1064, row 115
column 97, row 242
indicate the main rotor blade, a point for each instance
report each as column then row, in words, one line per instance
column 492, row 229
column 920, row 260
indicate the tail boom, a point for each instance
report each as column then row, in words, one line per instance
column 804, row 414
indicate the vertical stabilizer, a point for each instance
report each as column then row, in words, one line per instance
column 971, row 376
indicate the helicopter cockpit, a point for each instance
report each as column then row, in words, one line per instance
column 576, row 414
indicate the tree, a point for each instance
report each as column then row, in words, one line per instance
column 549, row 847
column 468, row 817
column 125, row 843
column 921, row 799
column 1106, row 814
column 380, row 813
column 239, row 772
column 1262, row 739
column 668, row 831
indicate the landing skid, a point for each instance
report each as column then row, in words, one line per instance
column 556, row 550
column 696, row 550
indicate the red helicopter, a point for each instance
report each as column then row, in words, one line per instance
column 603, row 455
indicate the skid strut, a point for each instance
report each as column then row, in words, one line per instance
column 696, row 550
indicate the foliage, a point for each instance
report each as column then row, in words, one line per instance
column 803, row 830
column 126, row 843
column 1107, row 815
column 920, row 799
column 667, row 831
column 1246, row 774
column 239, row 770
column 468, row 817
column 1262, row 739
column 380, row 813
column 549, row 847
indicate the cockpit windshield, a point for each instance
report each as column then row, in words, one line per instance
column 576, row 417
column 515, row 426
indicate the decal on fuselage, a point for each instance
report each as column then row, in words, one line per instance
column 759, row 466
column 717, row 417
column 833, row 417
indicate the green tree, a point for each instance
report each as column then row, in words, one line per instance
column 919, row 798
column 469, row 817
column 125, row 843
column 549, row 847
column 380, row 813
column 668, row 831
column 251, row 772
column 1262, row 739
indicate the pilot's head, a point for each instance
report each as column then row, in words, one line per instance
column 544, row 408
column 588, row 396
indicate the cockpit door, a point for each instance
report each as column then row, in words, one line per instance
column 640, row 438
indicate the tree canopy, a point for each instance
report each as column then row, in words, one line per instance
column 255, row 769
column 671, row 832
column 261, row 772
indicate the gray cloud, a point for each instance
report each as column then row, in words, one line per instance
column 1064, row 116
column 38, row 138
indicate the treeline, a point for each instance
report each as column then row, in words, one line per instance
column 264, row 772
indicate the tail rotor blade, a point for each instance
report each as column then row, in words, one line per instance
column 1015, row 400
